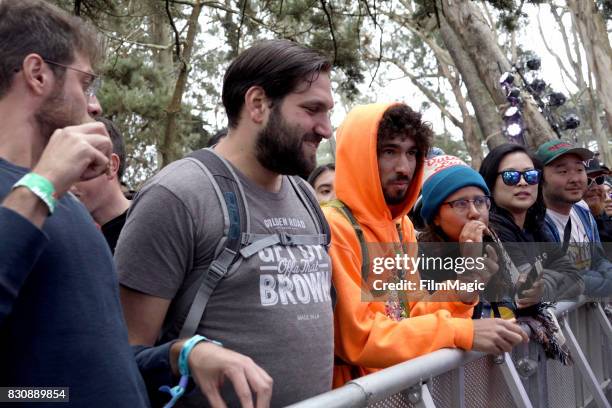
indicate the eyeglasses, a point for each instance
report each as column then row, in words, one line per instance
column 599, row 180
column 513, row 177
column 462, row 205
column 95, row 82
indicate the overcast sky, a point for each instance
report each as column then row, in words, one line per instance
column 404, row 90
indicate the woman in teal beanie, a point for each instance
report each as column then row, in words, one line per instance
column 455, row 207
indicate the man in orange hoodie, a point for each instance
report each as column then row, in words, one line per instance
column 379, row 170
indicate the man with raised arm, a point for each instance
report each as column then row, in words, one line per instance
column 60, row 317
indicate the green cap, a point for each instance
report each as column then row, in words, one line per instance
column 554, row 149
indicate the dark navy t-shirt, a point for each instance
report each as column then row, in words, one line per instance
column 61, row 323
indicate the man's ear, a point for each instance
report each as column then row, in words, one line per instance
column 114, row 166
column 256, row 104
column 36, row 73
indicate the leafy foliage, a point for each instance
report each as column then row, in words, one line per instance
column 369, row 41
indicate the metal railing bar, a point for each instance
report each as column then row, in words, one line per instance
column 590, row 402
column 514, row 383
column 583, row 365
column 426, row 399
column 349, row 395
column 603, row 321
column 566, row 307
column 458, row 391
column 392, row 380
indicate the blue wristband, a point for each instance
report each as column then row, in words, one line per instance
column 183, row 364
column 177, row 391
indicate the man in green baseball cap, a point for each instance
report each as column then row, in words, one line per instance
column 564, row 175
column 568, row 219
column 554, row 149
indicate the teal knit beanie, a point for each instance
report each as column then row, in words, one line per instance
column 446, row 175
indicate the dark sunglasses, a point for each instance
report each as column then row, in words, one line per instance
column 599, row 180
column 513, row 177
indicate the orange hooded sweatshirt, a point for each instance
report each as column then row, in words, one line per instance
column 364, row 335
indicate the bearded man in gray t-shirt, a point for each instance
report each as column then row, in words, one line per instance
column 273, row 307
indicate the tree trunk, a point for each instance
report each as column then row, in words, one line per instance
column 159, row 32
column 488, row 117
column 169, row 148
column 472, row 143
column 232, row 36
column 470, row 26
column 598, row 131
column 594, row 37
column 468, row 125
column 472, row 136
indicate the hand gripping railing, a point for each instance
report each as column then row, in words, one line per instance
column 440, row 379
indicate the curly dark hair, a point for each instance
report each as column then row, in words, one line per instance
column 401, row 120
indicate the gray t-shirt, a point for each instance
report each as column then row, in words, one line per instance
column 275, row 307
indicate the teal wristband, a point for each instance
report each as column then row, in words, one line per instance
column 40, row 187
column 183, row 365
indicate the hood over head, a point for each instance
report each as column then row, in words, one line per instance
column 357, row 178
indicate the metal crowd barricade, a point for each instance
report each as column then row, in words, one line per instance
column 525, row 378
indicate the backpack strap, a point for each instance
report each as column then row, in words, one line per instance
column 256, row 242
column 346, row 211
column 236, row 217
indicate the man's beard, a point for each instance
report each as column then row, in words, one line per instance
column 397, row 199
column 595, row 200
column 55, row 113
column 279, row 147
column 597, row 207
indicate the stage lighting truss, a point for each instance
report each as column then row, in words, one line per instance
column 571, row 122
column 547, row 100
column 513, row 125
column 556, row 99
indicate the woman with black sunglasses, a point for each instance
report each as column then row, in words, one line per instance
column 545, row 273
column 517, row 215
